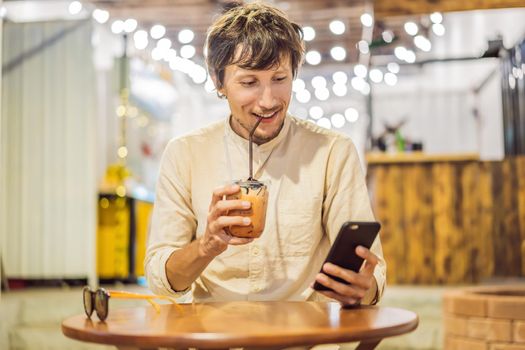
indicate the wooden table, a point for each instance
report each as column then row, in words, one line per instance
column 242, row 324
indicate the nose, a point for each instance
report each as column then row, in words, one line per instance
column 267, row 100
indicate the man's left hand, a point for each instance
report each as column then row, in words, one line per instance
column 360, row 283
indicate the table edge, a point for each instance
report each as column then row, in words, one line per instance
column 196, row 339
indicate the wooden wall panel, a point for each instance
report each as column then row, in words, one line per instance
column 510, row 242
column 520, row 171
column 484, row 239
column 451, row 221
column 450, row 255
column 470, row 217
column 418, row 219
column 388, row 204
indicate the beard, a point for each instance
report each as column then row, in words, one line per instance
column 257, row 137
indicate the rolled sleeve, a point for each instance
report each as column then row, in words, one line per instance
column 157, row 278
column 347, row 199
column 173, row 222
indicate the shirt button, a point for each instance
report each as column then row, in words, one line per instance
column 257, row 289
column 255, row 251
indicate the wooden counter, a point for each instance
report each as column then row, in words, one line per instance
column 449, row 219
column 418, row 157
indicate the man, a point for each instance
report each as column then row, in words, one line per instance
column 314, row 179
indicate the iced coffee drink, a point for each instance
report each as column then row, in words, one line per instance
column 256, row 193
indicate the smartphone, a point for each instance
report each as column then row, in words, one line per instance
column 342, row 253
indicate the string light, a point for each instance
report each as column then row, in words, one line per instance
column 357, row 83
column 117, row 26
column 324, row 123
column 400, row 52
column 338, row 53
column 157, row 31
column 130, row 25
column 199, row 74
column 436, row 17
column 422, row 43
column 363, row 47
column 141, row 39
column 360, row 70
column 308, row 33
column 376, row 75
column 411, row 28
column 410, row 56
column 209, row 86
column 322, row 94
column 338, row 120
column 164, row 44
column 75, row 7
column 186, row 36
column 390, row 79
column 393, row 67
column 388, row 36
column 187, row 51
column 337, row 27
column 367, row 20
column 315, row 112
column 438, row 29
column 303, row 96
column 298, row 85
column 122, row 152
column 351, row 115
column 340, row 89
column 318, row 82
column 313, row 57
column 365, row 90
column 340, row 77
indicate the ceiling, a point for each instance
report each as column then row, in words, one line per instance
column 389, row 15
column 197, row 15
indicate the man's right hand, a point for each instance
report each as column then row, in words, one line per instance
column 215, row 239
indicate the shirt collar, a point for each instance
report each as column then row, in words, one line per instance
column 265, row 147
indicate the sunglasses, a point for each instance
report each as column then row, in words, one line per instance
column 98, row 300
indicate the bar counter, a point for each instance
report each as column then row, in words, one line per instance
column 449, row 219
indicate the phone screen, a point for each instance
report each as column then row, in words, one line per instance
column 342, row 253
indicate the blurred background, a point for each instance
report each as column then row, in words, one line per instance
column 431, row 91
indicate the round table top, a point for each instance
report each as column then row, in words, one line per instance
column 241, row 324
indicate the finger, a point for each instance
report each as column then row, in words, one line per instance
column 220, row 192
column 226, row 221
column 240, row 241
column 223, row 206
column 345, row 290
column 371, row 260
column 359, row 280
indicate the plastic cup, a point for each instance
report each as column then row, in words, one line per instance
column 255, row 192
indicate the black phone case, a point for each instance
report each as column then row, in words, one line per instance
column 342, row 253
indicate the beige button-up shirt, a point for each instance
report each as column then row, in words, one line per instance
column 315, row 184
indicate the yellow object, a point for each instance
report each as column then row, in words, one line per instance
column 142, row 217
column 114, row 179
column 113, row 237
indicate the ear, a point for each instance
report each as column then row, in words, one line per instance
column 220, row 91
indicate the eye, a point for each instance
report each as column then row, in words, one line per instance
column 281, row 78
column 248, row 83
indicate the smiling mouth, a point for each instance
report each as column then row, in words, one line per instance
column 266, row 115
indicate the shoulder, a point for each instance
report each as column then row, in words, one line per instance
column 309, row 132
column 203, row 137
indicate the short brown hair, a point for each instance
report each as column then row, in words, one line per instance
column 264, row 34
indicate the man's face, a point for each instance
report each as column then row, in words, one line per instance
column 258, row 93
